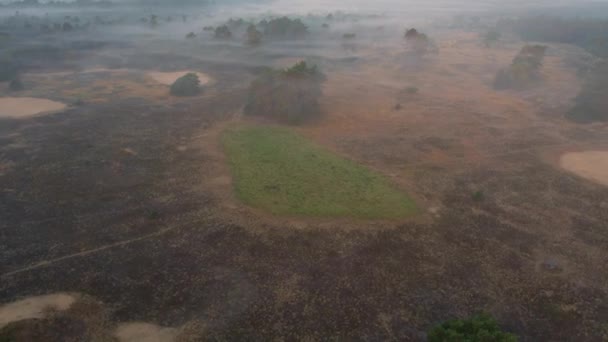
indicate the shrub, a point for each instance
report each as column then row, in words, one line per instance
column 15, row 85
column 491, row 37
column 479, row 328
column 187, row 85
column 190, row 35
column 411, row 90
column 290, row 95
column 419, row 43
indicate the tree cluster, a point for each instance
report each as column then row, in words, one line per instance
column 591, row 104
column 524, row 70
column 290, row 95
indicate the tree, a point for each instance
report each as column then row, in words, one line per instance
column 479, row 328
column 290, row 95
column 223, row 32
column 418, row 43
column 284, row 27
column 591, row 104
column 524, row 69
column 254, row 36
column 187, row 85
column 191, row 35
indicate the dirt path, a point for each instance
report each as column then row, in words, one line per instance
column 84, row 253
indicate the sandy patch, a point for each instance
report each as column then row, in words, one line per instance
column 592, row 165
column 33, row 307
column 144, row 332
column 23, row 107
column 168, row 78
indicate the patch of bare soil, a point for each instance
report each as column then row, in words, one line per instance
column 592, row 165
column 23, row 107
column 168, row 78
column 144, row 332
column 34, row 307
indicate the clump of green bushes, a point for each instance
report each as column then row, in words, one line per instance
column 479, row 328
column 187, row 85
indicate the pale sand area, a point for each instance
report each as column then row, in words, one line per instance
column 34, row 307
column 144, row 332
column 592, row 165
column 23, row 107
column 168, row 78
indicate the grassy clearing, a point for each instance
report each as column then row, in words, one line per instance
column 282, row 172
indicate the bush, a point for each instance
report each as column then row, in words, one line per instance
column 479, row 328
column 419, row 43
column 187, row 85
column 411, row 90
column 15, row 85
column 190, row 35
column 290, row 95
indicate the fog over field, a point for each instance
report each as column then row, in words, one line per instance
column 303, row 170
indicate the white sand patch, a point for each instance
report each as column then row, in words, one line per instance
column 168, row 78
column 23, row 107
column 592, row 165
column 34, row 307
column 144, row 332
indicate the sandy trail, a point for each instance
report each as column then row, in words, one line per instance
column 33, row 307
column 592, row 165
column 168, row 78
column 23, row 107
column 144, row 332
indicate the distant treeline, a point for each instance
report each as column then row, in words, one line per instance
column 588, row 33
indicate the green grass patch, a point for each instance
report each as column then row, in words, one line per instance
column 279, row 171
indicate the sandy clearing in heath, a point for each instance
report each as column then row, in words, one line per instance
column 34, row 307
column 23, row 107
column 144, row 332
column 592, row 165
column 168, row 78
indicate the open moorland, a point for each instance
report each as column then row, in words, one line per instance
column 420, row 193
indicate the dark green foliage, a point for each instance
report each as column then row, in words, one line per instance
column 478, row 196
column 524, row 69
column 290, row 95
column 479, row 328
column 411, row 90
column 590, row 34
column 591, row 104
column 223, row 32
column 190, row 35
column 284, row 27
column 419, row 43
column 254, row 36
column 187, row 85
column 15, row 85
column 491, row 37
